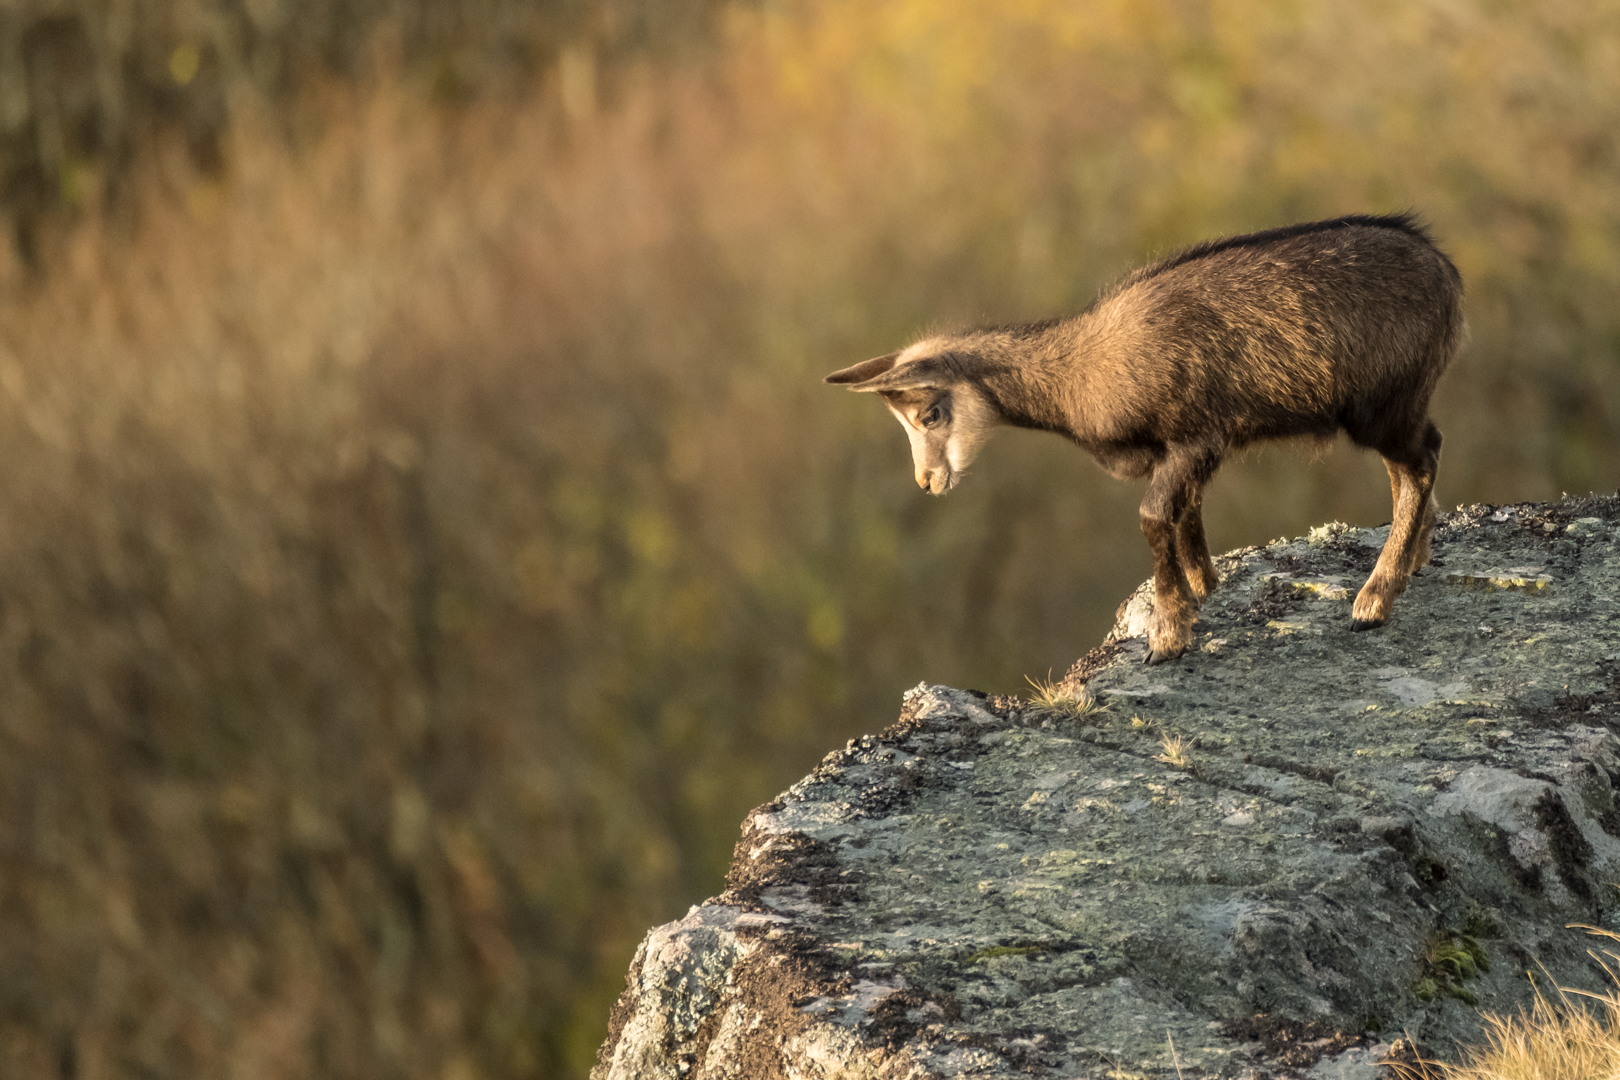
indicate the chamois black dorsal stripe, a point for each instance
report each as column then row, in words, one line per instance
column 1406, row 222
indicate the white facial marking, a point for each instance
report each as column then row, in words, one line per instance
column 942, row 449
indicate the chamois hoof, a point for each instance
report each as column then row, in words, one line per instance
column 1358, row 625
column 1154, row 656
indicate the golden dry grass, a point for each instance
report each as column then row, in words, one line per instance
column 1175, row 752
column 1551, row 1042
column 1060, row 701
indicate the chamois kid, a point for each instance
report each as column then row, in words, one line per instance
column 1304, row 330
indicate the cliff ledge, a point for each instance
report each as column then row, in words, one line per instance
column 1276, row 857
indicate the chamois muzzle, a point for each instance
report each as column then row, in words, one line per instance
column 936, row 481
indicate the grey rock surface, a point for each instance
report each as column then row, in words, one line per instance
column 1271, row 858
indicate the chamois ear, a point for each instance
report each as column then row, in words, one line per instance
column 866, row 369
column 929, row 371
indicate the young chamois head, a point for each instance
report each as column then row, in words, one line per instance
column 946, row 415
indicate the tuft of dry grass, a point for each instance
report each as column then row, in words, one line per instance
column 1175, row 752
column 1062, row 701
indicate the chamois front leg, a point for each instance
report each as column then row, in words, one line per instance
column 1171, row 495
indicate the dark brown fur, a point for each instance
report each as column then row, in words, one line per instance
column 1306, row 330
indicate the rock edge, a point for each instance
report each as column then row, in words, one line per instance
column 1270, row 859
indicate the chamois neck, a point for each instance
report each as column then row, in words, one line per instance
column 1028, row 372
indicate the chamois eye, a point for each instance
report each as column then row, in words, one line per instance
column 929, row 418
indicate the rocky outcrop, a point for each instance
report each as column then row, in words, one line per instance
column 1272, row 858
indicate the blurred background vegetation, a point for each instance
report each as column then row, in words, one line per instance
column 423, row 532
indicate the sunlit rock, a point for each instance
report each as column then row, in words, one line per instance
column 1271, row 858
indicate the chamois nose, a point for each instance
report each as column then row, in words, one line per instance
column 924, row 480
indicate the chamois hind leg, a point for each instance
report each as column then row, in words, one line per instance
column 1193, row 551
column 1411, row 475
column 1176, row 480
column 1431, row 511
column 1419, row 557
column 1420, row 554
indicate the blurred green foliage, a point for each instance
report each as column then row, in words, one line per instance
column 425, row 535
column 86, row 85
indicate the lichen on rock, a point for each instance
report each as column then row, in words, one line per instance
column 1354, row 835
